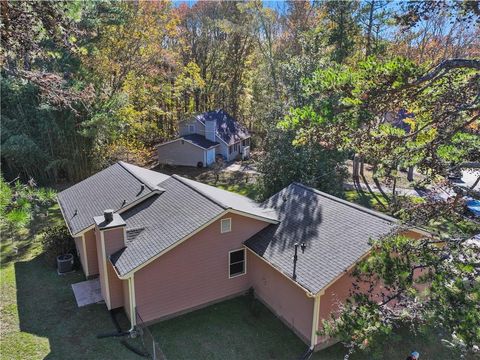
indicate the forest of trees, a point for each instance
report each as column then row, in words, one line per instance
column 87, row 83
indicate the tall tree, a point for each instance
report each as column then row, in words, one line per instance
column 342, row 27
column 347, row 110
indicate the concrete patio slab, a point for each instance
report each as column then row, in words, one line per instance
column 87, row 292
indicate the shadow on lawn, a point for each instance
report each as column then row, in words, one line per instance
column 47, row 309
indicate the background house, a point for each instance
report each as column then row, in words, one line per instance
column 205, row 136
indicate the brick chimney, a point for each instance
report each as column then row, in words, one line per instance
column 110, row 238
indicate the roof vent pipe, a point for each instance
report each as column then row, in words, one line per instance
column 108, row 214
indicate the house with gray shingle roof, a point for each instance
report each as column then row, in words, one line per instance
column 162, row 245
column 205, row 137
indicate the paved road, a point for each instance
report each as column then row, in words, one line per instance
column 238, row 166
column 469, row 178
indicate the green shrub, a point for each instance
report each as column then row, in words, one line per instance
column 18, row 217
column 5, row 196
column 57, row 241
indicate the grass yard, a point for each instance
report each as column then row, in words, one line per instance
column 236, row 181
column 230, row 330
column 39, row 318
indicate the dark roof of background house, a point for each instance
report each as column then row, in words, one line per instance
column 336, row 233
column 114, row 188
column 228, row 129
column 200, row 140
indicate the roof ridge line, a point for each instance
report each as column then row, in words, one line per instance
column 142, row 181
column 215, row 201
column 348, row 203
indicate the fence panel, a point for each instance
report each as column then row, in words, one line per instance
column 152, row 347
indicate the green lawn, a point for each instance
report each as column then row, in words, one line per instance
column 39, row 318
column 235, row 181
column 230, row 330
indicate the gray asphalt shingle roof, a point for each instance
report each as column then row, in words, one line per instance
column 112, row 188
column 228, row 199
column 169, row 208
column 200, row 140
column 335, row 232
column 162, row 220
column 165, row 219
column 228, row 129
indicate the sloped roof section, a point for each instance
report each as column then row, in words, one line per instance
column 230, row 200
column 148, row 177
column 336, row 234
column 114, row 188
column 200, row 140
column 228, row 129
column 164, row 219
column 158, row 210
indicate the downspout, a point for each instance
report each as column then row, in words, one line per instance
column 105, row 269
column 316, row 315
column 133, row 307
column 85, row 257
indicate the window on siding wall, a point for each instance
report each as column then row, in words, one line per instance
column 225, row 225
column 230, row 149
column 236, row 261
column 191, row 128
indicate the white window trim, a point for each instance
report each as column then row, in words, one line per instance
column 221, row 226
column 244, row 263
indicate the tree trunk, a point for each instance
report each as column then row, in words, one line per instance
column 369, row 29
column 410, row 173
column 356, row 167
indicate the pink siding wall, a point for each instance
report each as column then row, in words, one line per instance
column 113, row 241
column 126, row 298
column 81, row 254
column 284, row 298
column 101, row 260
column 339, row 291
column 89, row 260
column 330, row 302
column 116, row 288
column 195, row 272
column 91, row 247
